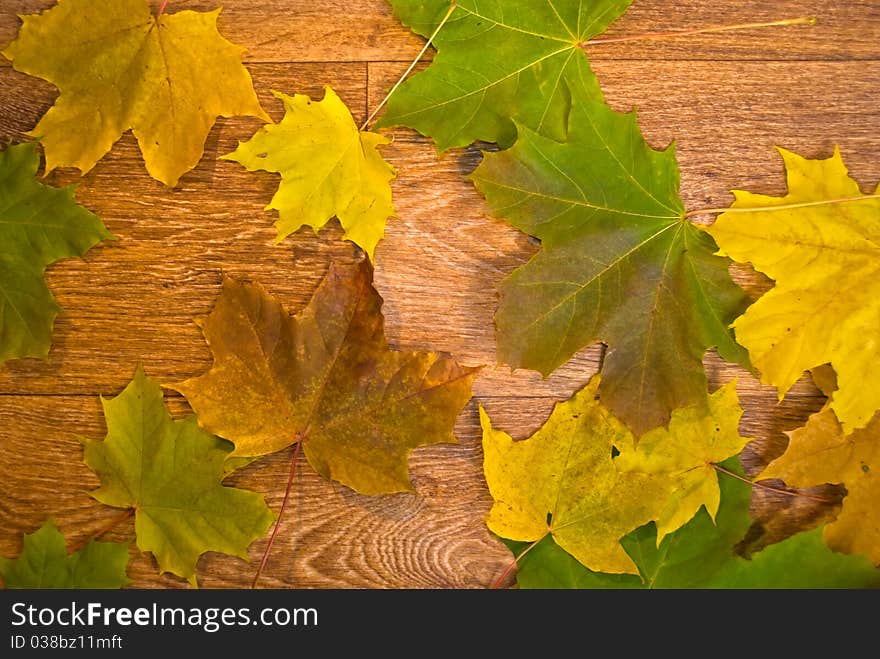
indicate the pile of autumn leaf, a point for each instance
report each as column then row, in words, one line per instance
column 634, row 481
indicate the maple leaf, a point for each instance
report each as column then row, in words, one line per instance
column 701, row 555
column 326, row 378
column 498, row 62
column 684, row 457
column 39, row 225
column 170, row 472
column 619, row 263
column 328, row 167
column 45, row 563
column 819, row 243
column 565, row 482
column 117, row 67
column 822, row 452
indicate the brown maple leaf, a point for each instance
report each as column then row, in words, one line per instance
column 327, row 378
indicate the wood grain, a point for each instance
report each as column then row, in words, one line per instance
column 726, row 99
column 366, row 31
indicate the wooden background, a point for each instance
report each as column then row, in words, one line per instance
column 726, row 98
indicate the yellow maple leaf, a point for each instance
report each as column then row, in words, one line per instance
column 118, row 67
column 682, row 457
column 328, row 167
column 822, row 452
column 565, row 481
column 821, row 245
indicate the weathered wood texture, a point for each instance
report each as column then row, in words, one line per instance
column 727, row 99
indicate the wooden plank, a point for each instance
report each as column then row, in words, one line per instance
column 725, row 130
column 844, row 31
column 726, row 118
column 441, row 259
column 330, row 536
column 169, row 240
column 282, row 30
column 178, row 242
column 365, row 30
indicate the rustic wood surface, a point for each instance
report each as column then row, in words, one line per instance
column 726, row 99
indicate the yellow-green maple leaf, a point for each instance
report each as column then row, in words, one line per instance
column 170, row 472
column 822, row 452
column 118, row 67
column 565, row 481
column 682, row 457
column 821, row 245
column 328, row 167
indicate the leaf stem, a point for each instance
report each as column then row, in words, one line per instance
column 290, row 478
column 162, row 7
column 116, row 521
column 497, row 583
column 783, row 207
column 791, row 493
column 418, row 58
column 803, row 20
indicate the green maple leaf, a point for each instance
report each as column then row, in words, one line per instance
column 498, row 62
column 700, row 555
column 327, row 378
column 170, row 472
column 328, row 167
column 45, row 563
column 118, row 67
column 39, row 225
column 619, row 263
